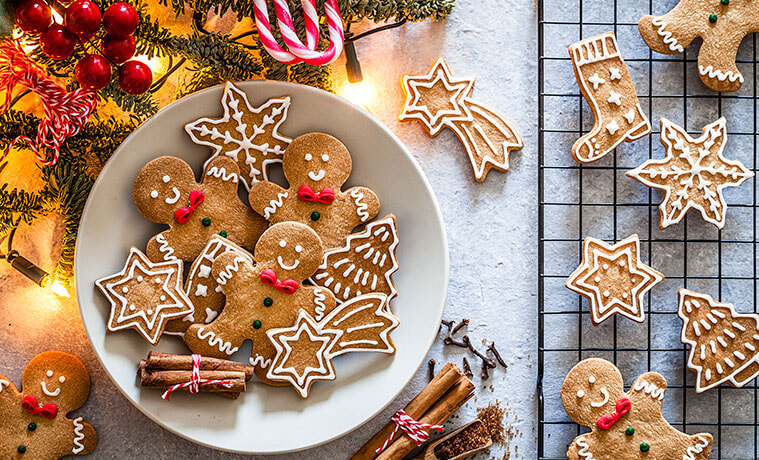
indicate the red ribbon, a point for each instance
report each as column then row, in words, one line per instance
column 306, row 193
column 269, row 278
column 182, row 215
column 49, row 410
column 605, row 422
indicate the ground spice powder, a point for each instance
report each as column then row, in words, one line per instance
column 470, row 438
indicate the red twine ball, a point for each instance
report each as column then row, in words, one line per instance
column 33, row 16
column 93, row 72
column 135, row 77
column 58, row 42
column 83, row 17
column 118, row 50
column 120, row 20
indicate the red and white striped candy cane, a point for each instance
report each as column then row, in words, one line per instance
column 414, row 429
column 193, row 385
column 298, row 52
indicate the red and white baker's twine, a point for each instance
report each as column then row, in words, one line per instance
column 193, row 385
column 414, row 429
column 298, row 52
column 65, row 112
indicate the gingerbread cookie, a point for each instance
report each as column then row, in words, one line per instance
column 249, row 135
column 34, row 423
column 606, row 84
column 613, row 279
column 723, row 343
column 365, row 263
column 165, row 192
column 693, row 173
column 438, row 100
column 145, row 295
column 721, row 25
column 316, row 166
column 265, row 296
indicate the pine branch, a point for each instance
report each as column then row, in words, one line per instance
column 201, row 79
column 382, row 10
column 152, row 39
column 139, row 107
column 229, row 60
column 16, row 204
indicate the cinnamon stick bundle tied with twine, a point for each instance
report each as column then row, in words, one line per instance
column 435, row 404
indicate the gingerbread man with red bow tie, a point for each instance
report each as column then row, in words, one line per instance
column 265, row 296
column 34, row 423
column 316, row 166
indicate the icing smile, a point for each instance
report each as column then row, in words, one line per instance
column 175, row 198
column 605, row 400
column 49, row 393
column 318, row 176
column 285, row 266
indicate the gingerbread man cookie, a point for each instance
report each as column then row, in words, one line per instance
column 721, row 24
column 623, row 425
column 265, row 296
column 34, row 423
column 165, row 192
column 316, row 166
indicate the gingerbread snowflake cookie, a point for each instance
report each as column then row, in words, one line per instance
column 165, row 192
column 623, row 425
column 721, row 24
column 34, row 423
column 606, row 84
column 316, row 166
column 249, row 135
column 692, row 174
column 613, row 278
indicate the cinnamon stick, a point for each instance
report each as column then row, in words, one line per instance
column 164, row 379
column 168, row 361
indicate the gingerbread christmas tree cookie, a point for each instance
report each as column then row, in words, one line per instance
column 627, row 426
column 692, row 174
column 613, row 278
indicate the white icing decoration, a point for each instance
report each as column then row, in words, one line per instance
column 214, row 341
column 274, row 205
column 584, row 449
column 3, row 383
column 164, row 248
column 228, row 271
column 690, row 452
column 325, row 157
column 259, row 361
column 78, row 436
column 602, row 402
column 596, row 80
column 319, row 299
column 650, row 389
column 166, row 179
column 629, row 116
column 612, row 127
column 711, row 72
column 378, row 303
column 204, row 271
column 222, row 174
column 201, row 290
column 284, row 266
column 317, row 176
column 614, row 74
column 154, row 194
column 308, row 157
column 210, row 315
column 49, row 373
column 615, row 98
column 580, row 394
column 48, row 392
column 361, row 208
column 175, row 198
column 298, row 248
column 667, row 37
column 61, row 379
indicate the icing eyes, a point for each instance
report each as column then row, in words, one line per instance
column 61, row 379
column 591, row 380
column 49, row 373
column 298, row 249
column 282, row 244
column 308, row 157
column 154, row 194
column 166, row 179
column 580, row 394
column 325, row 158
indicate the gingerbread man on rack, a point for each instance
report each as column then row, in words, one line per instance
column 316, row 166
column 34, row 423
column 265, row 296
column 165, row 192
column 624, row 425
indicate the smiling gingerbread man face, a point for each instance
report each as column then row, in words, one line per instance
column 291, row 250
column 591, row 390
column 57, row 378
column 317, row 160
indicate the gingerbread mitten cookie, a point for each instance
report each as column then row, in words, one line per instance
column 165, row 192
column 34, row 423
column 607, row 86
column 316, row 166
column 265, row 296
column 623, row 425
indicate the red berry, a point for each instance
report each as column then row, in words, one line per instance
column 58, row 42
column 33, row 16
column 135, row 77
column 120, row 20
column 93, row 72
column 118, row 50
column 83, row 17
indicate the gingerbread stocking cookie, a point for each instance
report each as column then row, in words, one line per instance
column 265, row 296
column 34, row 423
column 316, row 166
column 165, row 192
column 627, row 426
column 607, row 86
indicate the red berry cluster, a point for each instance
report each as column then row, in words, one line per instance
column 82, row 21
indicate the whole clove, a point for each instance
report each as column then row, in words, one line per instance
column 491, row 348
column 487, row 361
column 431, row 368
column 484, row 372
column 467, row 368
column 448, row 324
column 464, row 322
column 451, row 341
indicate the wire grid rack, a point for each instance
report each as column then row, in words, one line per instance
column 599, row 200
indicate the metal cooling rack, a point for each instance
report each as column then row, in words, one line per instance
column 599, row 200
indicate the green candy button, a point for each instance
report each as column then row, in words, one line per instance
column 206, row 221
column 31, row 426
column 712, row 18
column 725, row 2
column 268, row 302
column 257, row 324
column 644, row 447
column 315, row 216
column 21, row 449
column 223, row 233
column 630, row 431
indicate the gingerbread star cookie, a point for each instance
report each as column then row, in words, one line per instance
column 438, row 100
column 723, row 343
column 249, row 135
column 627, row 426
column 145, row 295
column 693, row 173
column 613, row 279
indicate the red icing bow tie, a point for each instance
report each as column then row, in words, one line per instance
column 605, row 422
column 49, row 410
column 269, row 277
column 306, row 193
column 182, row 215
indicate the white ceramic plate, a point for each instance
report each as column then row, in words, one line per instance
column 270, row 419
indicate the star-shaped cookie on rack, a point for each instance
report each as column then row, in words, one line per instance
column 692, row 174
column 613, row 279
column 249, row 135
column 302, row 353
column 145, row 295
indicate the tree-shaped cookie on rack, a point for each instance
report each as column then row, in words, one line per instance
column 249, row 135
column 723, row 343
column 693, row 173
column 624, row 426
